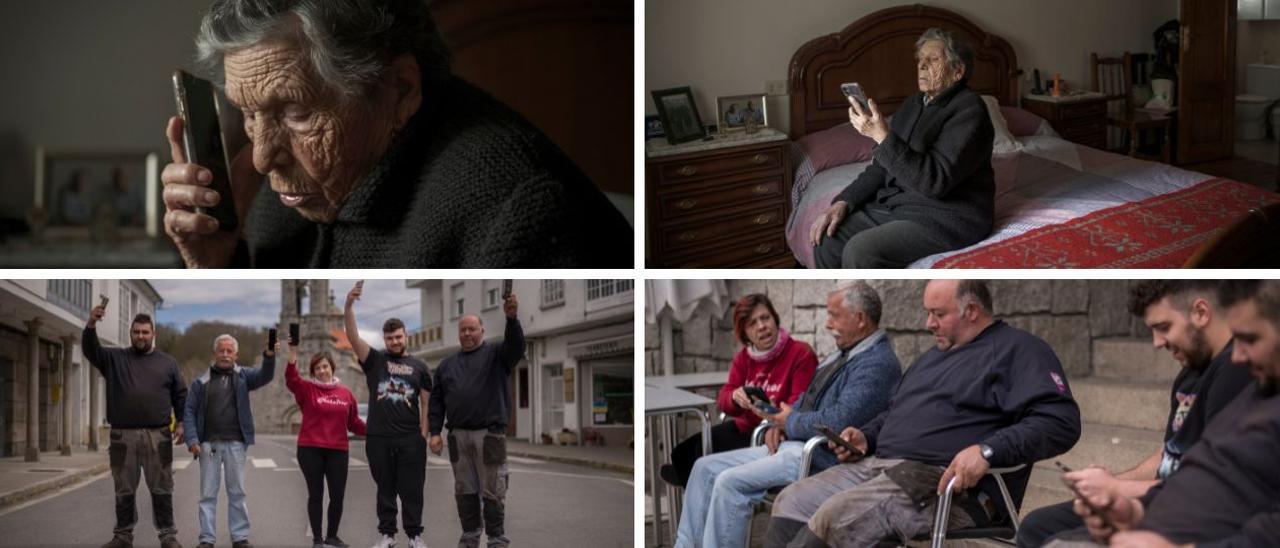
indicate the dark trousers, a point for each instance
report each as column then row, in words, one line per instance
column 320, row 465
column 136, row 453
column 399, row 468
column 724, row 437
column 877, row 240
column 1039, row 526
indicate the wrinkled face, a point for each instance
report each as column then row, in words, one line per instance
column 470, row 332
column 761, row 330
column 225, row 354
column 945, row 318
column 842, row 323
column 312, row 146
column 395, row 341
column 1257, row 345
column 933, row 72
column 322, row 371
column 141, row 335
column 1173, row 329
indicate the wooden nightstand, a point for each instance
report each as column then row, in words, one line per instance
column 1081, row 120
column 719, row 204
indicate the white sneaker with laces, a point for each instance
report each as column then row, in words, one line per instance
column 417, row 542
column 387, row 541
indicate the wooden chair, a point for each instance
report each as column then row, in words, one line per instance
column 1248, row 243
column 1115, row 78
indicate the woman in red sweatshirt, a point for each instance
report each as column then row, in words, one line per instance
column 329, row 410
column 769, row 359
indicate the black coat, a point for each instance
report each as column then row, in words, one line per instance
column 469, row 183
column 934, row 168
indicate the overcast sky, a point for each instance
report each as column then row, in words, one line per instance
column 257, row 303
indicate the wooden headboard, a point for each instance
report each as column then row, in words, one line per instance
column 878, row 51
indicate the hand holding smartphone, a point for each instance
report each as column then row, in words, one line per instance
column 294, row 337
column 506, row 289
column 854, row 90
column 271, row 339
column 205, row 144
column 836, row 439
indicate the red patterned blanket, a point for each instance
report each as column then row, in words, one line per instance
column 1159, row 232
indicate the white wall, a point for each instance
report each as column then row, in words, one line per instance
column 721, row 47
column 1256, row 42
column 86, row 75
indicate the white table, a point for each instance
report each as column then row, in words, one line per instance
column 690, row 381
column 662, row 403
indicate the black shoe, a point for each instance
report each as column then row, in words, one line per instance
column 241, row 544
column 205, row 545
column 332, row 541
column 118, row 542
column 170, row 542
column 668, row 474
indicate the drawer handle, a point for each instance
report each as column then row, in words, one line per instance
column 688, row 236
column 764, row 248
column 687, row 203
column 759, row 159
column 764, row 218
column 761, row 189
column 687, row 170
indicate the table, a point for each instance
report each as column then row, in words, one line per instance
column 662, row 403
column 689, row 381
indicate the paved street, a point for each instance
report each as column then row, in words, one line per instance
column 548, row 504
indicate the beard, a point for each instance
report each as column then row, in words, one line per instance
column 1198, row 354
column 142, row 346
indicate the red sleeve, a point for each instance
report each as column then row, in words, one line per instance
column 293, row 381
column 805, row 365
column 737, row 377
column 354, row 423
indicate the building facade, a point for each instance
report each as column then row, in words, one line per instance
column 51, row 399
column 575, row 383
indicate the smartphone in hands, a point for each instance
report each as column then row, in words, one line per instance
column 271, row 339
column 836, row 439
column 506, row 289
column 760, row 400
column 102, row 301
column 854, row 90
column 293, row 334
column 212, row 133
column 1100, row 512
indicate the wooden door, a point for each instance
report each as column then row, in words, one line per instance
column 1206, row 81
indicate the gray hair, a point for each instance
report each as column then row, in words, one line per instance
column 957, row 52
column 977, row 292
column 859, row 295
column 225, row 337
column 349, row 43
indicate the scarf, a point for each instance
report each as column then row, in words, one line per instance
column 767, row 355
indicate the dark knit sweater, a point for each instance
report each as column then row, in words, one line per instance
column 468, row 183
column 142, row 388
column 934, row 169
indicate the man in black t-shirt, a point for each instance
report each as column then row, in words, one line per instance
column 396, row 440
column 1185, row 320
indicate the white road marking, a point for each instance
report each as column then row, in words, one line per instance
column 55, row 493
column 182, row 464
column 523, row 460
column 355, row 462
column 438, row 461
column 264, row 463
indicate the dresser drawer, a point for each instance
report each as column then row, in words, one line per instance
column 694, row 234
column 754, row 248
column 685, row 204
column 702, row 168
column 1082, row 110
column 1088, row 131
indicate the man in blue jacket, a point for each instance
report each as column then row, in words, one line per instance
column 988, row 395
column 218, row 427
column 850, row 387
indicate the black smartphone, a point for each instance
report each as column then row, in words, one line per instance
column 103, row 300
column 766, row 407
column 208, row 121
column 293, row 334
column 854, row 90
column 755, row 393
column 506, row 289
column 1100, row 512
column 271, row 339
column 836, row 439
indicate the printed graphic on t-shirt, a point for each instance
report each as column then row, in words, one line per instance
column 396, row 390
column 1185, row 401
column 331, row 400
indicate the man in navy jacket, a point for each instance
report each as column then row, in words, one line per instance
column 988, row 395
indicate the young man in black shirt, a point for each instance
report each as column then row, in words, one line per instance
column 471, row 396
column 1185, row 320
column 144, row 387
column 396, row 440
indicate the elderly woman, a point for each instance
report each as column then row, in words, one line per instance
column 374, row 154
column 930, row 186
column 770, row 360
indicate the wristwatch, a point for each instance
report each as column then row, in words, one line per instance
column 987, row 452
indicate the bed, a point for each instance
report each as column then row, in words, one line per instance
column 1058, row 204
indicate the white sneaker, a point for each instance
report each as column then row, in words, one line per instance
column 387, row 541
column 417, row 542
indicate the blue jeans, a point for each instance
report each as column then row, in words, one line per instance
column 217, row 457
column 724, row 487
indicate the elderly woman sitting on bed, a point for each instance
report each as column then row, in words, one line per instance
column 930, row 186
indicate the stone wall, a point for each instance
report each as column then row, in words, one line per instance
column 1069, row 314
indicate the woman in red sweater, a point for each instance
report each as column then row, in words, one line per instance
column 329, row 410
column 769, row 359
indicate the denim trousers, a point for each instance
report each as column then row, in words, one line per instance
column 219, row 459
column 724, row 487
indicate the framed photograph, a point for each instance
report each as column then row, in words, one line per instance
column 83, row 190
column 679, row 115
column 737, row 112
column 652, row 127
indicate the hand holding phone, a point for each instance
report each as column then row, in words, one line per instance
column 854, row 91
column 506, row 289
column 760, row 400
column 294, row 336
column 271, row 339
column 1100, row 512
column 835, row 438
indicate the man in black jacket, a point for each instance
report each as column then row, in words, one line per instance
column 144, row 388
column 930, row 186
column 471, row 395
column 988, row 395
